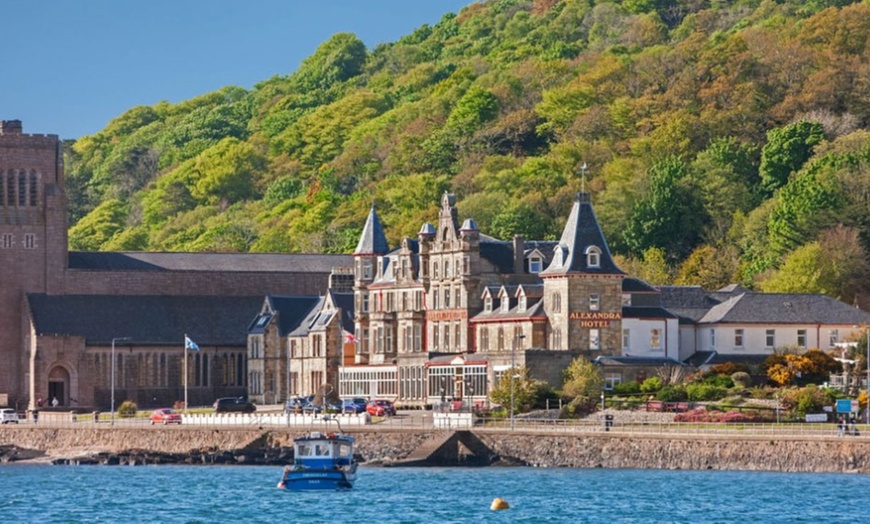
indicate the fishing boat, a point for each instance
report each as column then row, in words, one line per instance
column 321, row 461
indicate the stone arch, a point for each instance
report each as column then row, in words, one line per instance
column 59, row 386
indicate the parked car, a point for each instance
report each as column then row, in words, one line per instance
column 8, row 416
column 165, row 416
column 229, row 404
column 353, row 405
column 380, row 408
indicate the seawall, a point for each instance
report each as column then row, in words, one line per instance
column 612, row 450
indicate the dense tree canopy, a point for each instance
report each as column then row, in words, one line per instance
column 724, row 141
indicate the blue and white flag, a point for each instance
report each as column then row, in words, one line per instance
column 190, row 344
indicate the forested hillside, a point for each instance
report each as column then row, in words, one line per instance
column 725, row 141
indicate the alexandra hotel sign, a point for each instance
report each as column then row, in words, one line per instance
column 594, row 319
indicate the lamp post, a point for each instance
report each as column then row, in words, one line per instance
column 117, row 339
column 513, row 373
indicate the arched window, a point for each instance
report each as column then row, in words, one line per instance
column 10, row 188
column 484, row 338
column 33, row 186
column 435, row 270
column 22, row 189
column 500, row 338
column 446, row 269
column 593, row 256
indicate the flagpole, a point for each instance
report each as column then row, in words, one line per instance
column 185, row 372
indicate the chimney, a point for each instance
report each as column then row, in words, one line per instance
column 519, row 253
column 10, row 127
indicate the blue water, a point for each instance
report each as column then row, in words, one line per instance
column 213, row 494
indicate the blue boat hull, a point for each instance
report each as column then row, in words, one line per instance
column 309, row 480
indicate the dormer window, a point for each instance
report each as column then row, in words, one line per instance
column 593, row 257
column 522, row 304
column 505, row 304
column 487, row 304
column 535, row 265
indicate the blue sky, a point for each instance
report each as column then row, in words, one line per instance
column 68, row 67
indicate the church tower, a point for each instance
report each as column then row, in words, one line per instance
column 33, row 247
column 583, row 288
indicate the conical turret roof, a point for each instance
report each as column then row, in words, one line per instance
column 582, row 235
column 372, row 241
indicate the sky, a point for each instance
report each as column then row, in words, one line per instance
column 67, row 67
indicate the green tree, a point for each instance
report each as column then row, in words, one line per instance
column 583, row 379
column 669, row 216
column 98, row 226
column 786, row 150
column 227, row 172
column 526, row 391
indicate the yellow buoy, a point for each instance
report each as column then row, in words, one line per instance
column 498, row 503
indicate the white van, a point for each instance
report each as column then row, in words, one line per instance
column 8, row 415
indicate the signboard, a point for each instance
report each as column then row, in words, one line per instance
column 845, row 405
column 594, row 319
column 816, row 417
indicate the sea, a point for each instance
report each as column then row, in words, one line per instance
column 242, row 494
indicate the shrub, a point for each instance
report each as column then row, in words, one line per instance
column 626, row 388
column 127, row 409
column 722, row 381
column 671, row 394
column 806, row 400
column 651, row 385
column 705, row 391
column 702, row 415
column 578, row 407
column 741, row 379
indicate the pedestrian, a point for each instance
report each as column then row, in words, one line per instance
column 40, row 402
column 841, row 426
column 54, row 402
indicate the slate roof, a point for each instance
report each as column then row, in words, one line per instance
column 292, row 310
column 372, row 241
column 346, row 303
column 636, row 285
column 711, row 358
column 498, row 252
column 636, row 361
column 784, row 308
column 535, row 309
column 147, row 320
column 315, row 320
column 646, row 312
column 582, row 231
column 220, row 262
column 689, row 303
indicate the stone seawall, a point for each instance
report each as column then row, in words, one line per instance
column 542, row 450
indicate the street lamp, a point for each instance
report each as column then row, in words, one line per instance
column 113, row 374
column 513, row 372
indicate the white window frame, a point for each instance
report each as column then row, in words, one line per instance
column 739, row 336
column 594, row 339
column 770, row 338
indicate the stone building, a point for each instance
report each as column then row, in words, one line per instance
column 61, row 310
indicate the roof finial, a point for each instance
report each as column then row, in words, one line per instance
column 583, row 177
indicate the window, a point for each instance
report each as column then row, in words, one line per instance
column 367, row 269
column 388, row 344
column 738, row 338
column 484, row 338
column 436, row 303
column 626, row 339
column 457, row 334
column 712, row 338
column 594, row 302
column 500, row 338
column 435, row 270
column 365, row 302
column 446, row 336
column 770, row 338
column 487, row 304
column 556, row 299
column 833, row 337
column 446, row 269
column 446, row 296
column 466, row 265
column 418, row 337
column 7, row 241
column 535, row 265
column 611, row 380
column 557, row 339
column 655, row 338
column 626, row 299
column 522, row 304
column 435, row 339
column 802, row 338
column 593, row 257
column 594, row 339
column 505, row 303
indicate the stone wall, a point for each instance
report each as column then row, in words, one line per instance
column 826, row 454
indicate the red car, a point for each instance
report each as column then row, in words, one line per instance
column 380, row 408
column 165, row 416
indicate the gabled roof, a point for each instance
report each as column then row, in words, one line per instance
column 581, row 232
column 690, row 303
column 219, row 262
column 346, row 303
column 291, row 310
column 784, row 308
column 533, row 309
column 315, row 320
column 530, row 290
column 372, row 241
column 158, row 320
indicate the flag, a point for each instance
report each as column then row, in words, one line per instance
column 349, row 338
column 190, row 344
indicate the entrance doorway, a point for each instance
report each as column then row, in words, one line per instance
column 58, row 386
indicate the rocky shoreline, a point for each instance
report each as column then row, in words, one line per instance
column 190, row 446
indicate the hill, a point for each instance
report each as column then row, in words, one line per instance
column 723, row 141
